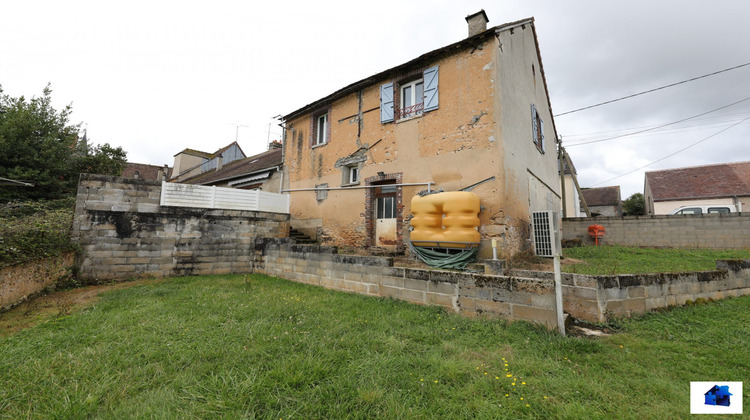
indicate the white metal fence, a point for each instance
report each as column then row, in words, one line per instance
column 201, row 196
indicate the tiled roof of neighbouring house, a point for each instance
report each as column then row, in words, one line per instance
column 604, row 196
column 238, row 168
column 722, row 180
column 145, row 171
column 206, row 155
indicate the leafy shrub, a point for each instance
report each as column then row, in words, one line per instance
column 32, row 230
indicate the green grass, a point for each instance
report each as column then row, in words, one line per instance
column 608, row 260
column 261, row 347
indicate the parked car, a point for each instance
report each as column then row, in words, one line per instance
column 705, row 209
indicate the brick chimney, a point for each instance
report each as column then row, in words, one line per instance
column 477, row 22
column 274, row 145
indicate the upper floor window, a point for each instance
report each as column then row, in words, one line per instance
column 411, row 98
column 320, row 133
column 537, row 126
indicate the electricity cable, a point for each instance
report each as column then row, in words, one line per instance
column 651, row 90
column 672, row 154
column 659, row 126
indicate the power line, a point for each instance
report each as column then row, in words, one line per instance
column 660, row 126
column 679, row 151
column 698, row 122
column 651, row 90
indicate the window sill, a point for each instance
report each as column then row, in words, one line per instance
column 351, row 184
column 409, row 118
column 319, row 145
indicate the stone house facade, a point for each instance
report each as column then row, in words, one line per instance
column 473, row 116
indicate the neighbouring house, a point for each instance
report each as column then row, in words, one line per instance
column 604, row 201
column 145, row 171
column 571, row 202
column 189, row 162
column 472, row 116
column 724, row 183
column 261, row 171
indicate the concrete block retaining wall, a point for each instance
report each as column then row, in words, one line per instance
column 718, row 231
column 124, row 233
column 524, row 295
column 518, row 298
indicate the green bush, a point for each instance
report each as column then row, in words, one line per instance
column 31, row 230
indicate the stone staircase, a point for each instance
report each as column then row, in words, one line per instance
column 299, row 237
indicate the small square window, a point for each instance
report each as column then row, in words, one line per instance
column 350, row 174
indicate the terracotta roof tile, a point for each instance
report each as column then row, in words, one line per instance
column 604, row 196
column 145, row 171
column 722, row 180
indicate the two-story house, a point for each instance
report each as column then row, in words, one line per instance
column 473, row 116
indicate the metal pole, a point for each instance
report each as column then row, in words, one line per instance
column 558, row 296
column 558, row 280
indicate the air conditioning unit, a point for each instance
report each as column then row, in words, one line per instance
column 546, row 233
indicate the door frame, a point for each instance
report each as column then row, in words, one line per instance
column 371, row 197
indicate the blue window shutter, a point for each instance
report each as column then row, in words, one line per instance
column 386, row 103
column 431, row 89
column 534, row 127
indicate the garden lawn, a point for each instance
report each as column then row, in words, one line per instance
column 260, row 347
column 610, row 259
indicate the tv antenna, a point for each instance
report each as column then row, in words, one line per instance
column 237, row 130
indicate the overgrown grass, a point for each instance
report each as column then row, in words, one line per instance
column 608, row 260
column 261, row 347
column 31, row 230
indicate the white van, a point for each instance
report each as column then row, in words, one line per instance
column 705, row 209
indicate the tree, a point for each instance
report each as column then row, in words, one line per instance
column 635, row 205
column 38, row 144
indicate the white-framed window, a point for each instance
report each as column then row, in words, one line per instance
column 320, row 131
column 385, row 208
column 412, row 98
column 354, row 174
column 350, row 174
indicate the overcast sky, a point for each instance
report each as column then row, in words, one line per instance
column 156, row 77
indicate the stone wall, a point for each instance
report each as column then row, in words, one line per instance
column 23, row 281
column 124, row 233
column 720, row 231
